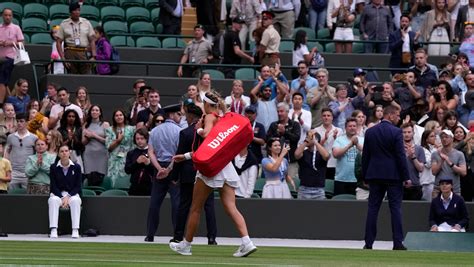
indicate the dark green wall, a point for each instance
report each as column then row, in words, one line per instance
column 329, row 219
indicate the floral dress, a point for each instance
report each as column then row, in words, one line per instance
column 116, row 164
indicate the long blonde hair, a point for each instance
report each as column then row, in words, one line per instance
column 16, row 89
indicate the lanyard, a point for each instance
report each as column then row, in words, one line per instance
column 195, row 48
column 236, row 106
column 314, row 158
column 253, row 126
column 76, row 31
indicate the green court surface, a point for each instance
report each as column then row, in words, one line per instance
column 117, row 254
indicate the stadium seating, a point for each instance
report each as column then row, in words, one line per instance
column 131, row 3
column 34, row 24
column 97, row 189
column 55, row 22
column 88, row 192
column 315, row 44
column 358, row 48
column 309, row 32
column 246, row 74
column 109, row 13
column 26, row 38
column 286, row 46
column 330, row 48
column 58, row 11
column 215, row 74
column 344, row 196
column 173, row 43
column 141, row 27
column 329, row 188
column 150, row 42
column 35, row 10
column 116, row 27
column 155, row 15
column 103, row 3
column 159, row 28
column 17, row 191
column 41, row 38
column 259, row 184
column 90, row 12
column 324, row 33
column 114, row 192
column 151, row 4
column 17, row 9
column 134, row 14
column 122, row 41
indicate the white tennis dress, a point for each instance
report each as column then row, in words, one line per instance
column 227, row 175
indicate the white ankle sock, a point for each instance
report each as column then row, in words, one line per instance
column 186, row 242
column 246, row 239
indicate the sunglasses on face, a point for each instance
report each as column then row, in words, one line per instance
column 159, row 121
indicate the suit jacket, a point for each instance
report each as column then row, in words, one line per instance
column 395, row 44
column 70, row 183
column 456, row 213
column 166, row 12
column 383, row 156
column 184, row 171
column 459, row 27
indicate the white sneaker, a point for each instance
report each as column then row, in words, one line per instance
column 245, row 250
column 54, row 233
column 75, row 233
column 181, row 248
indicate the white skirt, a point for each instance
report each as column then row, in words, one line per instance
column 276, row 189
column 227, row 175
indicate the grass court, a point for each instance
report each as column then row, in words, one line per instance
column 122, row 254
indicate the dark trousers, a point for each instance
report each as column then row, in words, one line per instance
column 467, row 186
column 173, row 27
column 186, row 197
column 330, row 173
column 344, row 188
column 379, row 48
column 412, row 193
column 377, row 193
column 158, row 193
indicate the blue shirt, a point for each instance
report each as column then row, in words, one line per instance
column 272, row 84
column 280, row 174
column 19, row 104
column 164, row 139
column 346, row 163
column 310, row 83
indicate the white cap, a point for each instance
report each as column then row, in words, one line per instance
column 447, row 132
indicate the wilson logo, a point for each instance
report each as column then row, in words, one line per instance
column 221, row 137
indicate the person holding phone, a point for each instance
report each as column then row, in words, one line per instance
column 402, row 44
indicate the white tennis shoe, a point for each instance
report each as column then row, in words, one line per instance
column 245, row 250
column 181, row 248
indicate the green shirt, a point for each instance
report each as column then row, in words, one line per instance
column 39, row 174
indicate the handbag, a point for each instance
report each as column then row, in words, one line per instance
column 406, row 57
column 21, row 56
column 228, row 137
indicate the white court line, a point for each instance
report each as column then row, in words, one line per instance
column 142, row 261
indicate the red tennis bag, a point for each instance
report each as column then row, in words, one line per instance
column 228, row 137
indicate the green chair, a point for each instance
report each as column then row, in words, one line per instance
column 17, row 191
column 150, row 42
column 15, row 7
column 294, row 192
column 34, row 25
column 131, row 3
column 122, row 184
column 54, row 22
column 142, row 27
column 104, row 3
column 107, row 183
column 454, row 49
column 286, row 46
column 109, row 13
column 330, row 48
column 310, row 46
column 90, row 12
column 356, row 31
column 358, row 48
column 329, row 188
column 114, row 193
column 26, row 38
column 324, row 33
column 173, row 43
column 259, row 184
column 159, row 28
column 151, row 4
column 309, row 32
column 215, row 74
column 134, row 14
column 255, row 195
column 54, row 2
column 59, row 11
column 246, row 74
column 116, row 27
column 35, row 10
column 97, row 189
column 357, row 22
column 94, row 23
column 122, row 41
column 344, row 196
column 155, row 16
column 88, row 192
column 41, row 38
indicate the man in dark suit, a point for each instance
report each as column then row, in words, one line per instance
column 170, row 16
column 185, row 172
column 461, row 19
column 384, row 150
column 402, row 56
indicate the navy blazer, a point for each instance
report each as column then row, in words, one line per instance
column 383, row 156
column 166, row 13
column 395, row 44
column 456, row 213
column 184, row 171
column 71, row 182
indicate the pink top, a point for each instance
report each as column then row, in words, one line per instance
column 9, row 32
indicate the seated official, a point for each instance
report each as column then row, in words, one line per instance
column 448, row 211
column 66, row 180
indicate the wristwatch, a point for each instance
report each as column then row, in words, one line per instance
column 451, row 165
